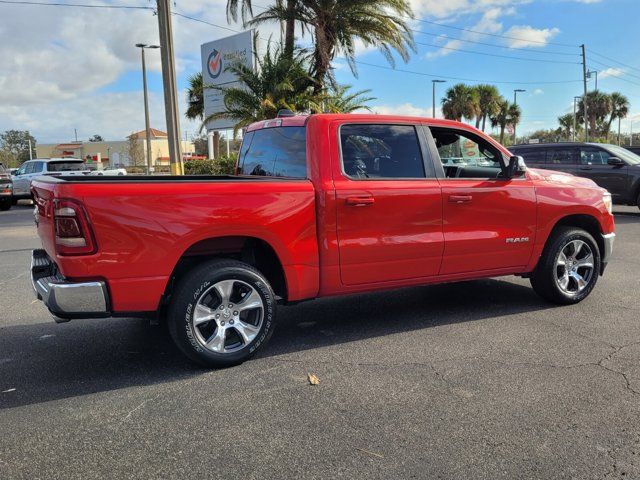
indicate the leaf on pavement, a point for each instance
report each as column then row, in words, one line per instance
column 313, row 379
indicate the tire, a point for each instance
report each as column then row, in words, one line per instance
column 235, row 332
column 5, row 204
column 550, row 275
column 14, row 201
column 638, row 200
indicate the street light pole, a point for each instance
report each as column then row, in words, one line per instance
column 170, row 86
column 147, row 129
column 515, row 102
column 433, row 98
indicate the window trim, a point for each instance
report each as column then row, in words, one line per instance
column 429, row 170
column 440, row 166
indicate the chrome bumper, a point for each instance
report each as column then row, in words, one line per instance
column 608, row 240
column 64, row 299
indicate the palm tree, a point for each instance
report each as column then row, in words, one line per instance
column 460, row 101
column 566, row 125
column 338, row 99
column 507, row 114
column 337, row 24
column 619, row 109
column 289, row 16
column 279, row 82
column 488, row 102
column 195, row 97
column 598, row 108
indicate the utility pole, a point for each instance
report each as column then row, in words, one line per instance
column 147, row 130
column 75, row 133
column 515, row 102
column 433, row 107
column 169, row 84
column 584, row 97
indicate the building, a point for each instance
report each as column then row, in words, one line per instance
column 130, row 152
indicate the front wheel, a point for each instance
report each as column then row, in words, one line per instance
column 222, row 313
column 569, row 267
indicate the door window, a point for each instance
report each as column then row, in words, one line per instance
column 464, row 155
column 561, row 156
column 593, row 156
column 380, row 152
column 532, row 156
column 23, row 169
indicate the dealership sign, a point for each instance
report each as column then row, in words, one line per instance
column 216, row 57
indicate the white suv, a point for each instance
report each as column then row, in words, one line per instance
column 44, row 166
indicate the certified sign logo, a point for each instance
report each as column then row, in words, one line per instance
column 214, row 63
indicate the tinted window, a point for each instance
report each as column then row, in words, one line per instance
column 274, row 152
column 593, row 156
column 561, row 156
column 29, row 167
column 65, row 166
column 381, row 151
column 532, row 155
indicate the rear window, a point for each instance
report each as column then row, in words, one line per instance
column 65, row 166
column 274, row 152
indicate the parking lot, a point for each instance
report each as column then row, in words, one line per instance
column 478, row 379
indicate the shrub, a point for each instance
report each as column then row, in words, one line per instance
column 220, row 166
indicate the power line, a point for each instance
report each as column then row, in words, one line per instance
column 606, row 65
column 78, row 5
column 613, row 60
column 458, row 39
column 413, row 72
column 496, row 54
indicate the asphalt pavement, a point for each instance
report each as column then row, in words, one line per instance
column 474, row 380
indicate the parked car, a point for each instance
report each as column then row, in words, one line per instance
column 634, row 149
column 6, row 188
column 44, row 166
column 610, row 166
column 108, row 171
column 322, row 205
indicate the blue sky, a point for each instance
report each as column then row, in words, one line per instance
column 82, row 71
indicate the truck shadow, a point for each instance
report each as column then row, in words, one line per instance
column 45, row 362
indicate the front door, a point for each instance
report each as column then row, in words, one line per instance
column 389, row 205
column 593, row 165
column 488, row 221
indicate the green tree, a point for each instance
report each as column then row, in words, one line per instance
column 15, row 145
column 135, row 151
column 566, row 125
column 598, row 109
column 507, row 114
column 619, row 109
column 337, row 24
column 279, row 82
column 195, row 97
column 339, row 99
column 460, row 101
column 96, row 138
column 488, row 103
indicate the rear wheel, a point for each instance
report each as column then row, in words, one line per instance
column 5, row 203
column 569, row 267
column 222, row 313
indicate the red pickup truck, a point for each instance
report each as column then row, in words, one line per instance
column 321, row 205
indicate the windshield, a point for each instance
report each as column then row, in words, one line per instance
column 624, row 154
column 66, row 166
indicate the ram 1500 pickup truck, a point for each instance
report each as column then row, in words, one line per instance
column 320, row 205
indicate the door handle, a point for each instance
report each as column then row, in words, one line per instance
column 460, row 198
column 360, row 201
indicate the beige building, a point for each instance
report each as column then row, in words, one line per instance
column 130, row 152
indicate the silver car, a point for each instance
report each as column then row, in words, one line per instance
column 44, row 166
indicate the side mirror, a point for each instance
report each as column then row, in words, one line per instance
column 615, row 162
column 516, row 167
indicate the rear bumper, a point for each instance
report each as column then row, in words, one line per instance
column 608, row 240
column 65, row 299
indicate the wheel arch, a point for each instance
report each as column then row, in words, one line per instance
column 248, row 249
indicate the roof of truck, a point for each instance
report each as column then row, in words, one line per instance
column 301, row 119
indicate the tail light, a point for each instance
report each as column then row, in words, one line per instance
column 72, row 230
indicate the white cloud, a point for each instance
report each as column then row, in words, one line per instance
column 407, row 108
column 527, row 36
column 587, row 1
column 538, row 91
column 611, row 72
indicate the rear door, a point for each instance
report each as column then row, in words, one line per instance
column 488, row 221
column 593, row 165
column 389, row 204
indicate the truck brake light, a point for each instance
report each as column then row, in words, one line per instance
column 73, row 235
